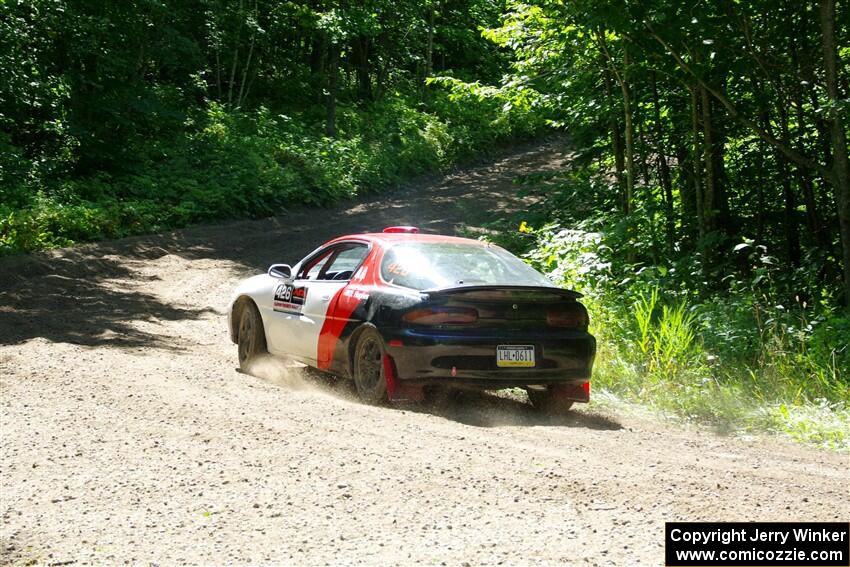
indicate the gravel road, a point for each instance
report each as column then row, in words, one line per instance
column 127, row 434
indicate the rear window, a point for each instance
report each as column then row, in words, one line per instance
column 429, row 265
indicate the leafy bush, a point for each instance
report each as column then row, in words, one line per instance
column 480, row 115
column 227, row 164
column 735, row 358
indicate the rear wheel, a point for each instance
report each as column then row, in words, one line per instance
column 545, row 399
column 252, row 337
column 369, row 375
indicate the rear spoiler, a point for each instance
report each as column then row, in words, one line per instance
column 555, row 291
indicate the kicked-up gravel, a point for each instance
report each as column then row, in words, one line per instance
column 127, row 434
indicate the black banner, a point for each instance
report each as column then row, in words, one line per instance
column 757, row 544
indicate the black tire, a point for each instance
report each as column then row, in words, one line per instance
column 251, row 337
column 542, row 399
column 368, row 367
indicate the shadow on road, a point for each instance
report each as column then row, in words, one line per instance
column 485, row 409
column 92, row 294
column 78, row 298
column 476, row 409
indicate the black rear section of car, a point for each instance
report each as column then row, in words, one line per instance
column 452, row 337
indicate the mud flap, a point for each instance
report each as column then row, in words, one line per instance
column 398, row 391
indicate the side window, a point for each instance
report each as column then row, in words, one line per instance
column 342, row 265
column 337, row 263
column 312, row 269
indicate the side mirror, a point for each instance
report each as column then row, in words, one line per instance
column 281, row 271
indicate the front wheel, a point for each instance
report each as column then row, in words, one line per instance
column 369, row 375
column 546, row 399
column 251, row 338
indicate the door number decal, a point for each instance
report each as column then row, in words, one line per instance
column 289, row 299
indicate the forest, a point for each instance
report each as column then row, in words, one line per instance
column 705, row 215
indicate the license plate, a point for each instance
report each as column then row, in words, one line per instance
column 514, row 356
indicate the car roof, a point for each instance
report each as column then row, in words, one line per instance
column 390, row 238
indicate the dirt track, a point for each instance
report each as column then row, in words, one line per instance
column 126, row 433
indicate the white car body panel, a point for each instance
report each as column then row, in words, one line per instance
column 298, row 334
column 259, row 288
column 293, row 335
column 291, row 330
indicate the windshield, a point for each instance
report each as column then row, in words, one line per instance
column 429, row 265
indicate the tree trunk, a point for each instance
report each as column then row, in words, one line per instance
column 616, row 139
column 643, row 154
column 330, row 97
column 696, row 159
column 622, row 79
column 804, row 180
column 317, row 55
column 723, row 219
column 663, row 168
column 763, row 178
column 235, row 56
column 429, row 45
column 318, row 61
column 240, row 98
column 813, row 222
column 218, row 67
column 735, row 113
column 709, row 196
column 380, row 80
column 630, row 135
column 840, row 165
column 792, row 233
column 619, row 160
column 360, row 51
column 685, row 181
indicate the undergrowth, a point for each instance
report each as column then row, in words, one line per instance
column 223, row 164
column 733, row 359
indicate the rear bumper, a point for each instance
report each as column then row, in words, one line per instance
column 468, row 358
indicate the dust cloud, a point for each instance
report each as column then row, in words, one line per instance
column 297, row 377
column 280, row 372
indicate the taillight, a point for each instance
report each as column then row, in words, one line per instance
column 573, row 315
column 441, row 316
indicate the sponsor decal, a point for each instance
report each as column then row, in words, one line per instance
column 397, row 269
column 356, row 294
column 289, row 299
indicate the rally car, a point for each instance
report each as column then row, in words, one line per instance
column 401, row 312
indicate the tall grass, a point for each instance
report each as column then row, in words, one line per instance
column 728, row 360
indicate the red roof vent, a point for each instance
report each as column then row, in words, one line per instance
column 403, row 229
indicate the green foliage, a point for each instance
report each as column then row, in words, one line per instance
column 125, row 117
column 665, row 340
column 698, row 214
column 228, row 164
column 700, row 127
column 481, row 115
column 726, row 359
